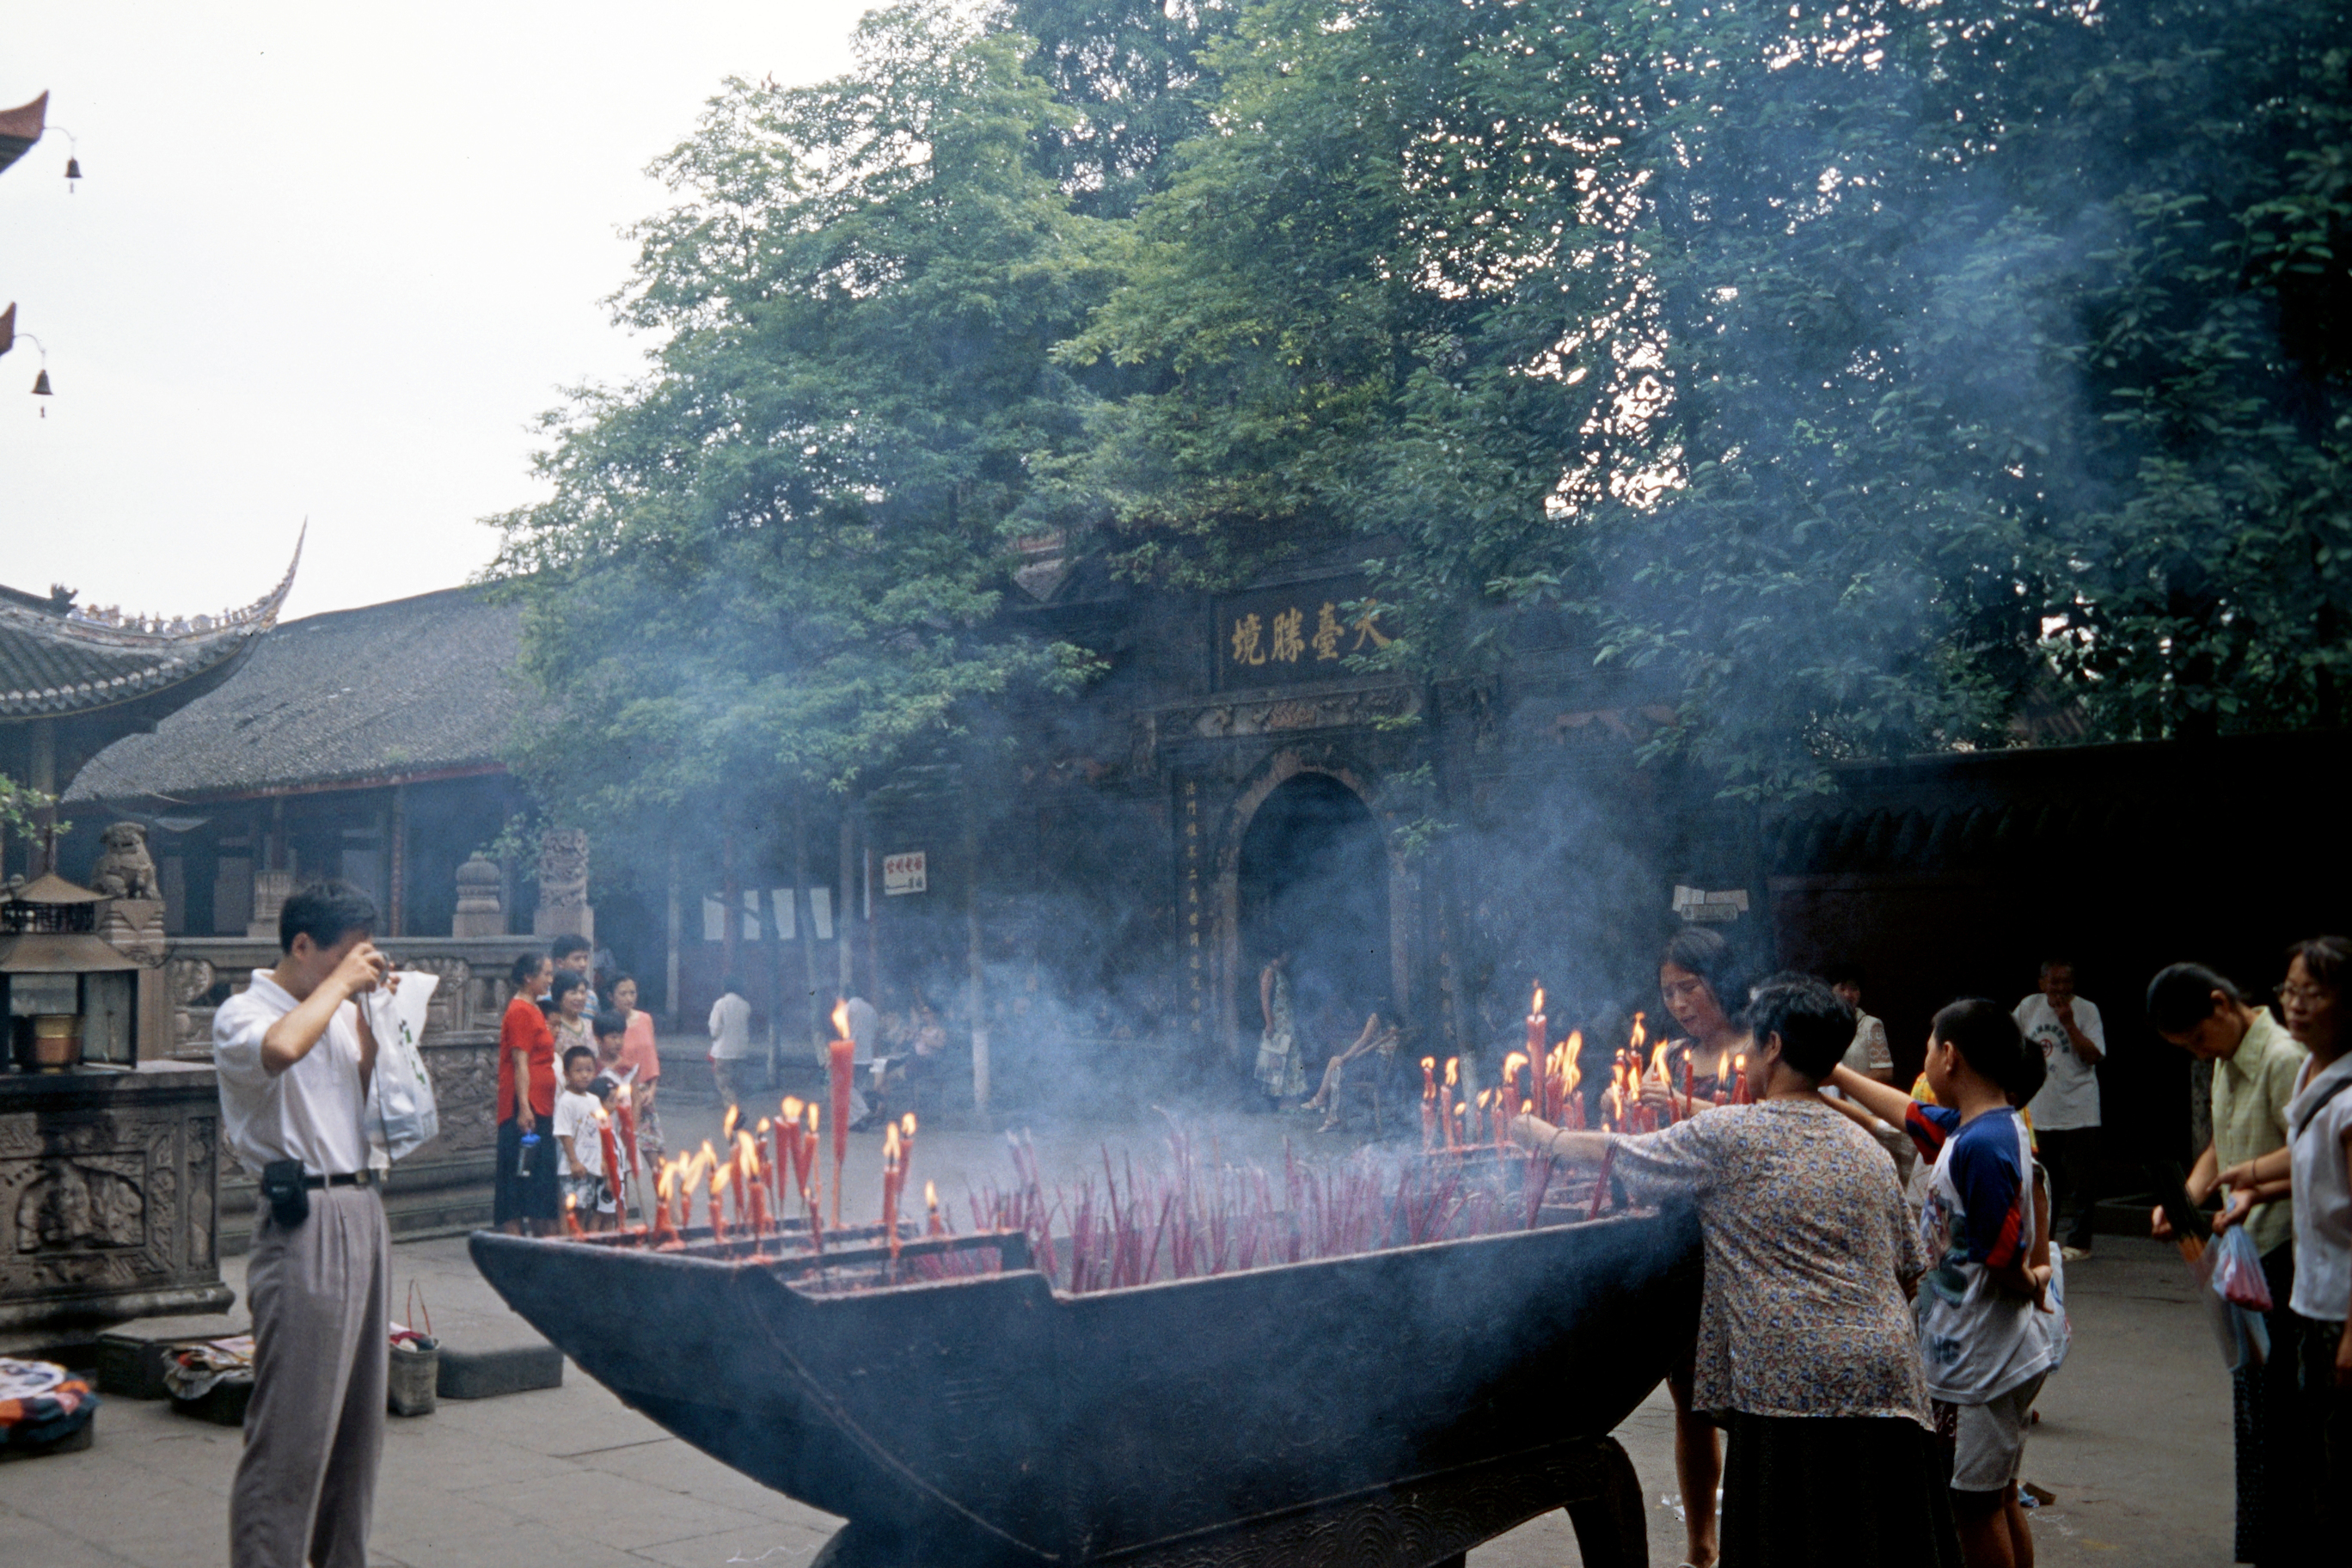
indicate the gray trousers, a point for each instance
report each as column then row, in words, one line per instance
column 321, row 1294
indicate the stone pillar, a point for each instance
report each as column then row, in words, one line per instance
column 481, row 912
column 563, row 885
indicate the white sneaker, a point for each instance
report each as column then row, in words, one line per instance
column 2074, row 1254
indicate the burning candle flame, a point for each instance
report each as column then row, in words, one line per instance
column 763, row 1127
column 1536, row 1009
column 813, row 1117
column 747, row 1146
column 890, row 1144
column 931, row 1196
column 907, row 1124
column 1511, row 1065
column 791, row 1107
column 840, row 1020
column 1658, row 1059
column 718, row 1180
column 1641, row 1033
column 1722, row 1065
column 1453, row 1071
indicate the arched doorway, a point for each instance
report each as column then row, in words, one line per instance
column 1313, row 878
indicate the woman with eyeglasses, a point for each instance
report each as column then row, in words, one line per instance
column 2315, row 1167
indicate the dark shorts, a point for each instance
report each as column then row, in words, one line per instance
column 535, row 1196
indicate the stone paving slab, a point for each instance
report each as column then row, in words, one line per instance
column 2134, row 1441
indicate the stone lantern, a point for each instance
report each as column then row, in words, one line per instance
column 71, row 998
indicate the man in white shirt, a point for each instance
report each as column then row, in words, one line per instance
column 731, row 1041
column 294, row 1057
column 2067, row 1112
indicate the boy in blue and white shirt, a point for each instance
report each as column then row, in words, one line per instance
column 1982, row 1303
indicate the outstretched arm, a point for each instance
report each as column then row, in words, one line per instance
column 1883, row 1100
column 1539, row 1136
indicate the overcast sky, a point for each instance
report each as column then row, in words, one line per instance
column 328, row 261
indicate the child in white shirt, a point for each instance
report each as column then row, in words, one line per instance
column 581, row 1170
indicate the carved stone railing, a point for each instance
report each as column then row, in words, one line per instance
column 447, row 1184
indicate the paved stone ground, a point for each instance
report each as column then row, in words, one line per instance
column 2135, row 1439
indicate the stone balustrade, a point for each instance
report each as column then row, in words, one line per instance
column 445, row 1185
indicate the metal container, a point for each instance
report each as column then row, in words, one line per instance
column 994, row 1419
column 48, row 1042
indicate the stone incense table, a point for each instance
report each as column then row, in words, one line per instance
column 109, row 1185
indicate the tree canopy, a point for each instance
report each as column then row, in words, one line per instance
column 1863, row 377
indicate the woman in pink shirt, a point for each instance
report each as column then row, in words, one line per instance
column 637, row 1052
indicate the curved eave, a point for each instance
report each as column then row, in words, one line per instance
column 189, row 658
column 21, row 127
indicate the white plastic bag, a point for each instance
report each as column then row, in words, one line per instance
column 404, row 1090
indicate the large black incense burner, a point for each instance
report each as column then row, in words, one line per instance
column 1390, row 1407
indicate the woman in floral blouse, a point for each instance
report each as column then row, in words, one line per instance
column 1807, row 1356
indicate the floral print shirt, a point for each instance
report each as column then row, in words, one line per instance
column 1808, row 1244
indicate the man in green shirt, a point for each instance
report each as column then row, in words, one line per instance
column 2255, row 1061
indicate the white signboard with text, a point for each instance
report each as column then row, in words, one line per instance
column 905, row 874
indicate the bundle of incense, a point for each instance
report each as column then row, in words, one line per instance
column 1537, row 1183
column 1429, row 1102
column 1600, row 1187
column 572, row 1218
column 890, row 1188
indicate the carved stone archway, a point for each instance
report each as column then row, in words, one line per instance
column 1404, row 897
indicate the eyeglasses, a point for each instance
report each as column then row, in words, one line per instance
column 2304, row 995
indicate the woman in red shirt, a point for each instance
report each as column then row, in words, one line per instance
column 524, row 1202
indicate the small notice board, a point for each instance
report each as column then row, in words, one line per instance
column 905, row 873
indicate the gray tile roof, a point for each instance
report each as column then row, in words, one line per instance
column 58, row 660
column 414, row 687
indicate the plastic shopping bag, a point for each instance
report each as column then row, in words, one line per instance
column 2237, row 1270
column 404, row 1090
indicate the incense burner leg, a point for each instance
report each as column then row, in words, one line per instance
column 1611, row 1529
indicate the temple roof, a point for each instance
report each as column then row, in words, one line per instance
column 59, row 659
column 410, row 689
column 21, row 127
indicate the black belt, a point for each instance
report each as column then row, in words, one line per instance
column 356, row 1179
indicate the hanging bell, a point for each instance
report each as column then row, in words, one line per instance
column 41, row 382
column 73, row 171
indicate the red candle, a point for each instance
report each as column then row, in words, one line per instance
column 936, row 1225
column 613, row 1169
column 840, row 1064
column 890, row 1188
column 717, row 1220
column 759, row 1211
column 1739, row 1081
column 1690, row 1099
column 812, row 1177
column 776, row 1166
column 1428, row 1102
column 906, row 1150
column 1538, row 1027
column 662, row 1187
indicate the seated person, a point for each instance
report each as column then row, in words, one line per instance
column 1379, row 1036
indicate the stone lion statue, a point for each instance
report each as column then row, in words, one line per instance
column 125, row 868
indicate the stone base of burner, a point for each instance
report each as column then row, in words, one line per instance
column 1432, row 1522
